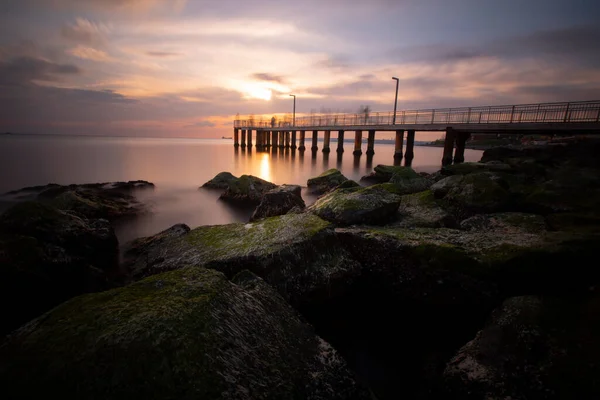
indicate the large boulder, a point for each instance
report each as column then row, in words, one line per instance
column 532, row 348
column 383, row 173
column 507, row 223
column 184, row 334
column 472, row 193
column 407, row 183
column 48, row 256
column 298, row 254
column 422, row 210
column 325, row 182
column 279, row 201
column 221, row 181
column 247, row 189
column 473, row 167
column 371, row 205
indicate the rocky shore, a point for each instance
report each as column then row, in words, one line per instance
column 475, row 282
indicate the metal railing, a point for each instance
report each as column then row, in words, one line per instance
column 580, row 111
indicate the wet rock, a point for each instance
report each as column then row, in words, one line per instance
column 325, row 182
column 532, row 348
column 506, row 222
column 186, row 333
column 383, row 174
column 247, row 189
column 473, row 167
column 221, row 181
column 477, row 192
column 347, row 185
column 298, row 254
column 49, row 256
column 278, row 202
column 371, row 205
column 422, row 210
column 407, row 183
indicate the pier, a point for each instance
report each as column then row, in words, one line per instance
column 580, row 117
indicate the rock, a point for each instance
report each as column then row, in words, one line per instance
column 113, row 201
column 473, row 167
column 48, row 256
column 407, row 183
column 532, row 348
column 371, row 205
column 298, row 254
column 421, row 210
column 477, row 192
column 508, row 223
column 140, row 246
column 221, row 181
column 347, row 185
column 278, row 202
column 248, row 189
column 574, row 222
column 325, row 182
column 184, row 334
column 383, row 174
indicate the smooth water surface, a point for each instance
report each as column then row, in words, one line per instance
column 178, row 167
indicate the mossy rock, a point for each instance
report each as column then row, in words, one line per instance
column 474, row 167
column 221, row 181
column 408, row 184
column 184, row 334
column 247, row 189
column 98, row 204
column 48, row 256
column 298, row 254
column 508, row 223
column 278, row 201
column 421, row 210
column 371, row 205
column 325, row 182
column 532, row 347
column 383, row 173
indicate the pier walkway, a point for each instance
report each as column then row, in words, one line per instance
column 581, row 117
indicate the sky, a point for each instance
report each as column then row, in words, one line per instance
column 177, row 68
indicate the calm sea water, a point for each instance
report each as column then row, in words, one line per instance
column 178, row 167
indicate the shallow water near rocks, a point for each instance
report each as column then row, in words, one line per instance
column 178, row 167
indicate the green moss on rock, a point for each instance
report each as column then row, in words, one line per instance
column 247, row 188
column 325, row 182
column 187, row 333
column 221, row 181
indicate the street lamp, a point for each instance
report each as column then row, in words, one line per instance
column 294, row 117
column 396, row 100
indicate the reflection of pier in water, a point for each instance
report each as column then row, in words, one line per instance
column 457, row 123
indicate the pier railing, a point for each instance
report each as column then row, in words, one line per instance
column 580, row 111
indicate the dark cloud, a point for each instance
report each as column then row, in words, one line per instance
column 264, row 76
column 23, row 70
column 162, row 54
column 201, row 124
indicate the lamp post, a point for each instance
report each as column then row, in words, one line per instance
column 396, row 100
column 294, row 117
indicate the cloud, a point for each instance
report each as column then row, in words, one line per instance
column 201, row 124
column 162, row 54
column 85, row 31
column 23, row 70
column 264, row 76
column 89, row 53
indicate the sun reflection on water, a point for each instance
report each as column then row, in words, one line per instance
column 265, row 167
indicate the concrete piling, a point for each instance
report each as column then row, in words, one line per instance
column 357, row 143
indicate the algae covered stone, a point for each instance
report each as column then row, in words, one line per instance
column 531, row 348
column 474, row 167
column 48, row 256
column 184, row 334
column 248, row 189
column 371, row 205
column 477, row 192
column 422, row 210
column 298, row 254
column 221, row 181
column 278, row 202
column 383, row 173
column 325, row 182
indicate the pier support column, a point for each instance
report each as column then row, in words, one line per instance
column 275, row 138
column 326, row 140
column 249, row 138
column 357, row 143
column 301, row 147
column 236, row 137
column 267, row 139
column 287, row 139
column 461, row 140
column 410, row 146
column 371, row 143
column 293, row 139
column 281, row 139
column 258, row 139
column 448, row 146
column 399, row 145
column 340, row 145
column 243, row 138
column 315, row 137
